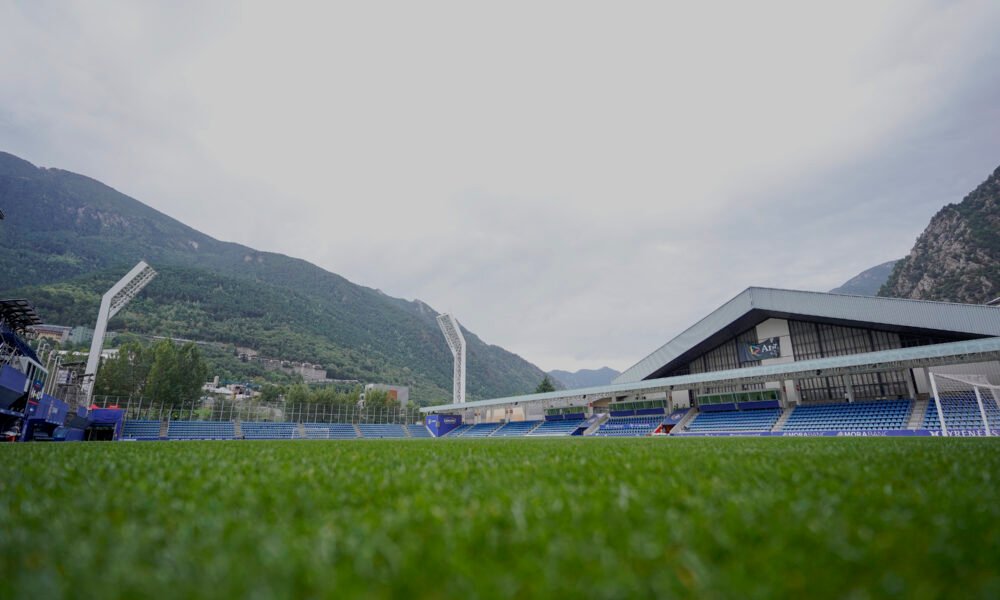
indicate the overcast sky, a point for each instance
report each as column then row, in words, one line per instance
column 577, row 182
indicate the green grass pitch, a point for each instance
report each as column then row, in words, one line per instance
column 707, row 518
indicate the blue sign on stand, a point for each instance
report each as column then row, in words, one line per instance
column 442, row 424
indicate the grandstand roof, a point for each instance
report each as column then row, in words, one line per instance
column 868, row 362
column 755, row 304
column 18, row 314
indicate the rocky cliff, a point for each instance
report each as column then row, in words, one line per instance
column 957, row 258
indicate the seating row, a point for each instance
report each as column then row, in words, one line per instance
column 269, row 431
column 197, row 430
column 961, row 411
column 141, row 430
column 629, row 426
column 516, row 429
column 557, row 428
column 854, row 416
column 758, row 420
column 201, row 430
column 391, row 431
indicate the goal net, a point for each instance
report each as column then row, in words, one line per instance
column 965, row 403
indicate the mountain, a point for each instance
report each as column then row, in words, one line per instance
column 868, row 282
column 584, row 377
column 957, row 258
column 67, row 238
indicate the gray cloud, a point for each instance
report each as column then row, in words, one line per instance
column 577, row 184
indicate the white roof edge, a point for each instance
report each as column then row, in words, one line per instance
column 906, row 312
column 950, row 349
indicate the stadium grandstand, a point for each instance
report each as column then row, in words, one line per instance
column 774, row 362
column 767, row 363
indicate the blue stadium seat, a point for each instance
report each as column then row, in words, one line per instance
column 269, row 431
column 854, row 416
column 201, row 430
column 961, row 412
column 759, row 420
column 329, row 431
column 419, row 431
column 516, row 429
column 141, row 430
column 557, row 428
column 369, row 430
column 629, row 426
column 480, row 430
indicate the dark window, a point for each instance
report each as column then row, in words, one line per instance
column 818, row 340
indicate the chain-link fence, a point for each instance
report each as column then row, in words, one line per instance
column 250, row 410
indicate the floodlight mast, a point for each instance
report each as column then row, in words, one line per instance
column 456, row 342
column 112, row 303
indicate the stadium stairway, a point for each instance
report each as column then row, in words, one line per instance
column 418, row 431
column 300, row 431
column 630, row 426
column 783, row 418
column 164, row 428
column 357, row 431
column 237, row 429
column 458, row 431
column 558, row 428
column 686, row 420
column 600, row 420
column 481, row 430
column 516, row 429
column 917, row 415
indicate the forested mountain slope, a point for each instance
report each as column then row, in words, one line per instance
column 68, row 237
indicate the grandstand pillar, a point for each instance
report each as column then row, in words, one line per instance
column 792, row 393
column 927, row 380
column 911, row 387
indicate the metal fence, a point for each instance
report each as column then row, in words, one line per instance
column 258, row 411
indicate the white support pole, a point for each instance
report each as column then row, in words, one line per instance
column 456, row 342
column 113, row 301
column 982, row 411
column 937, row 402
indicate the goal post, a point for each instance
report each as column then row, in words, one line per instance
column 967, row 402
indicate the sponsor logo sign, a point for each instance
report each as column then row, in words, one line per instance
column 769, row 348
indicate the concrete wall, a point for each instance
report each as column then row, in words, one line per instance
column 779, row 328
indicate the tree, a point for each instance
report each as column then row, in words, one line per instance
column 125, row 374
column 271, row 393
column 176, row 374
column 545, row 386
